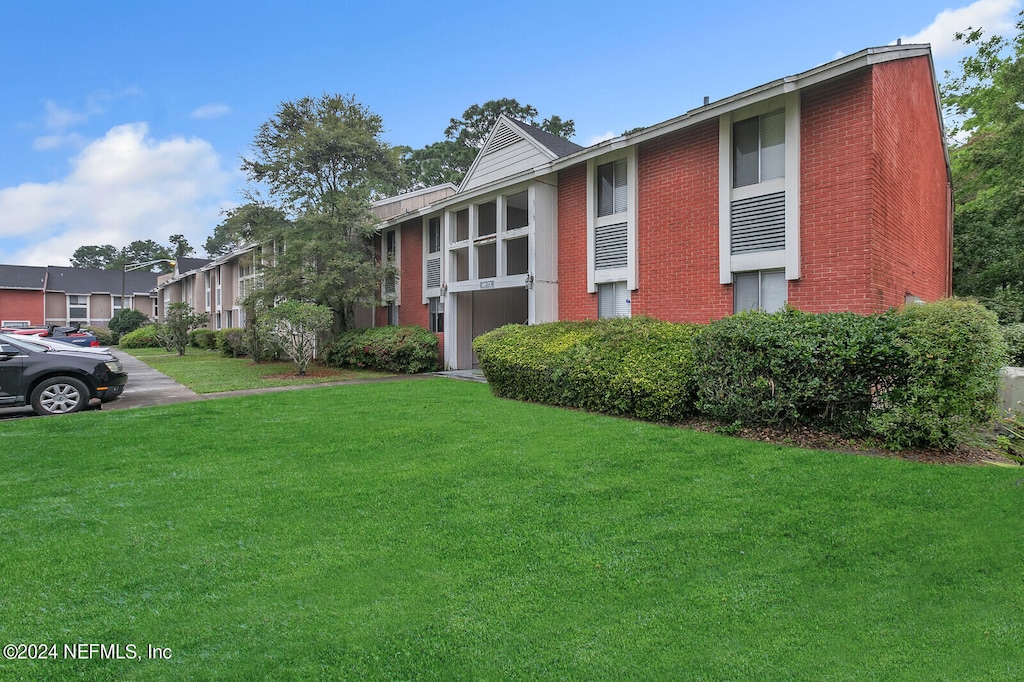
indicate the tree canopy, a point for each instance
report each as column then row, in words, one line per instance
column 109, row 257
column 449, row 160
column 320, row 161
column 984, row 105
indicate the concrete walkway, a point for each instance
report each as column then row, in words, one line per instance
column 147, row 387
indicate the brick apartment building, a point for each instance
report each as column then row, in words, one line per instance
column 828, row 190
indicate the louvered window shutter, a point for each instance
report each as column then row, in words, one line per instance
column 610, row 246
column 433, row 273
column 759, row 223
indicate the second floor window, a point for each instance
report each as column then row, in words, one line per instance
column 759, row 149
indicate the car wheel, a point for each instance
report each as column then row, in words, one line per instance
column 60, row 395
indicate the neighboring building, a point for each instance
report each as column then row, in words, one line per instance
column 32, row 296
column 828, row 190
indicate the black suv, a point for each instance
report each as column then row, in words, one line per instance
column 55, row 382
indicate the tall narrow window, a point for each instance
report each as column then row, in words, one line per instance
column 436, row 308
column 434, row 235
column 611, row 188
column 759, row 149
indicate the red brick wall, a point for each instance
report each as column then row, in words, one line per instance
column 677, row 228
column 874, row 207
column 412, row 311
column 574, row 303
column 911, row 238
column 836, row 198
column 21, row 305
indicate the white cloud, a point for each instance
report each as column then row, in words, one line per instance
column 48, row 142
column 122, row 187
column 209, row 111
column 597, row 139
column 59, row 118
column 996, row 17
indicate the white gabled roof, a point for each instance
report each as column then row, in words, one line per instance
column 512, row 147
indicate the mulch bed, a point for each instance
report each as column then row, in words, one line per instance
column 804, row 437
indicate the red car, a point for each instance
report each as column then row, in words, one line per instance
column 71, row 334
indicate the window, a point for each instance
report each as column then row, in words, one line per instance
column 436, row 311
column 762, row 290
column 207, row 276
column 119, row 303
column 517, row 214
column 434, row 235
column 613, row 300
column 460, row 226
column 612, row 194
column 759, row 189
column 392, row 315
column 391, row 258
column 611, row 214
column 16, row 324
column 246, row 276
column 78, row 308
column 487, row 219
column 759, row 149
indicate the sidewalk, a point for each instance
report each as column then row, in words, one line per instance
column 147, row 387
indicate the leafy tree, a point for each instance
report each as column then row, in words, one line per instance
column 297, row 325
column 321, row 161
column 179, row 320
column 984, row 105
column 182, row 249
column 450, row 159
column 96, row 257
column 239, row 226
column 109, row 257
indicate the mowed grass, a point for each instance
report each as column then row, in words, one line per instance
column 426, row 530
column 210, row 372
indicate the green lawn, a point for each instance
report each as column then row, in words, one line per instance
column 210, row 372
column 425, row 530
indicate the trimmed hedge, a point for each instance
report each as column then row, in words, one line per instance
column 405, row 350
column 795, row 368
column 946, row 378
column 143, row 337
column 205, row 339
column 637, row 367
column 104, row 336
column 924, row 375
column 230, row 341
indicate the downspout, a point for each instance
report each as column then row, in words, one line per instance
column 46, row 282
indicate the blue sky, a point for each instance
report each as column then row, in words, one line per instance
column 125, row 120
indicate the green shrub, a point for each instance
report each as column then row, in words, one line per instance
column 104, row 336
column 636, row 367
column 143, row 337
column 205, row 339
column 231, row 341
column 406, row 350
column 1013, row 335
column 126, row 320
column 794, row 368
column 945, row 380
